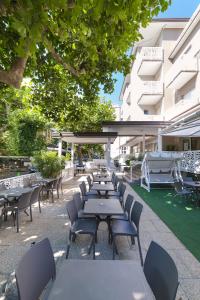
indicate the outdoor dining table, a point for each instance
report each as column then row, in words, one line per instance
column 103, row 188
column 100, row 280
column 103, row 206
column 14, row 192
column 102, row 179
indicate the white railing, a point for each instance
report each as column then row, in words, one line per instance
column 149, row 88
column 180, row 107
column 190, row 162
column 18, row 181
column 126, row 96
column 151, row 53
column 25, row 180
column 185, row 63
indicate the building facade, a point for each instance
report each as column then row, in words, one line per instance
column 163, row 83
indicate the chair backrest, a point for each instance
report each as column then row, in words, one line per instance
column 89, row 182
column 35, row 270
column 161, row 273
column 119, row 185
column 116, row 182
column 128, row 204
column 24, row 201
column 35, row 194
column 113, row 177
column 59, row 182
column 72, row 211
column 136, row 213
column 122, row 189
column 83, row 189
column 78, row 201
column 55, row 183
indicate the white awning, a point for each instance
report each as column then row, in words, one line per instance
column 187, row 130
column 86, row 137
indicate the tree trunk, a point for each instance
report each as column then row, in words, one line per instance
column 14, row 76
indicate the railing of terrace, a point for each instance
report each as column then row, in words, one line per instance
column 190, row 162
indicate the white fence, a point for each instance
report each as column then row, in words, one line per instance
column 190, row 162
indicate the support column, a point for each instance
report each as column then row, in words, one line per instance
column 159, row 140
column 60, row 147
column 72, row 153
column 107, row 153
column 143, row 144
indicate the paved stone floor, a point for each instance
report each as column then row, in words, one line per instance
column 54, row 224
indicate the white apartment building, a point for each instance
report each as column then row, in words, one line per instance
column 164, row 84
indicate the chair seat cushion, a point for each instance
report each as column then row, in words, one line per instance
column 121, row 227
column 84, row 226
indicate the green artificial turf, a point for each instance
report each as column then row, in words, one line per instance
column 181, row 216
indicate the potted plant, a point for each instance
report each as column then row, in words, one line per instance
column 48, row 163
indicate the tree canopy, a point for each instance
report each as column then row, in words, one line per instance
column 88, row 38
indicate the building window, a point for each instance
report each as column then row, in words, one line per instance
column 146, row 112
column 123, row 149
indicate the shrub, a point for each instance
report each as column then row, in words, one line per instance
column 48, row 163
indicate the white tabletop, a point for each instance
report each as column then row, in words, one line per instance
column 100, row 280
column 103, row 206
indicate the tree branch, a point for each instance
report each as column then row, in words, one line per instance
column 59, row 59
column 14, row 76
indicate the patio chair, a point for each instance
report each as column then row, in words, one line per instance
column 80, row 226
column 89, row 182
column 128, row 228
column 120, row 192
column 21, row 205
column 161, row 273
column 127, row 209
column 79, row 206
column 182, row 191
column 52, row 187
column 35, row 196
column 86, row 195
column 116, row 193
column 35, row 270
column 59, row 186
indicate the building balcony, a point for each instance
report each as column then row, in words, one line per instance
column 127, row 94
column 150, row 61
column 182, row 71
column 150, row 92
column 181, row 107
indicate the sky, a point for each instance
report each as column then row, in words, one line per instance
column 178, row 9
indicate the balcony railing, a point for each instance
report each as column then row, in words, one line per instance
column 150, row 92
column 127, row 94
column 181, row 107
column 150, row 60
column 182, row 71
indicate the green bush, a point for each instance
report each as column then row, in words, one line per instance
column 48, row 163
